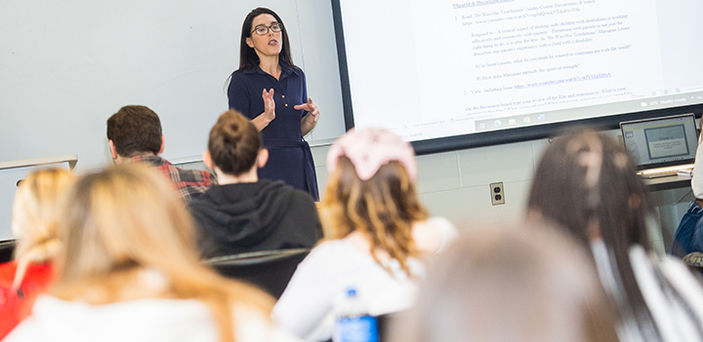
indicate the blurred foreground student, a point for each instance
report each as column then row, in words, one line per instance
column 379, row 234
column 244, row 213
column 130, row 272
column 509, row 285
column 34, row 218
column 586, row 183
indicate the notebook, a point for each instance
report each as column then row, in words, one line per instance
column 661, row 146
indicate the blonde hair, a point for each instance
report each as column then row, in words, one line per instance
column 34, row 218
column 382, row 208
column 126, row 222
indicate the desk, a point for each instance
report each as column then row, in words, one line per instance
column 671, row 197
column 667, row 183
column 11, row 172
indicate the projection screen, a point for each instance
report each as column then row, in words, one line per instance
column 456, row 74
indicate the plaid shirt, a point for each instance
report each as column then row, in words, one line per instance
column 187, row 182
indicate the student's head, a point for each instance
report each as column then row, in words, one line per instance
column 371, row 189
column 127, row 237
column 508, row 285
column 234, row 145
column 133, row 131
column 253, row 44
column 35, row 215
column 586, row 183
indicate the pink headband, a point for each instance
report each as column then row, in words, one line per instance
column 369, row 149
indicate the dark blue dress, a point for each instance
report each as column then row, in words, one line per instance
column 290, row 159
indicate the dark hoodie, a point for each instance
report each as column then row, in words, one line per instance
column 246, row 217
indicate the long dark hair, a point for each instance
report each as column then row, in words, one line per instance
column 247, row 56
column 586, row 183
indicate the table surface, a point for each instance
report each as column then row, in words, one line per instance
column 667, row 183
column 71, row 159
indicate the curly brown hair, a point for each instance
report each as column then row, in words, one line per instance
column 382, row 208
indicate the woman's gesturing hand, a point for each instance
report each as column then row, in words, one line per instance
column 310, row 119
column 269, row 104
column 312, row 109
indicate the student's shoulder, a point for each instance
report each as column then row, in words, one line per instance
column 433, row 234
column 252, row 325
column 296, row 196
column 302, row 197
column 200, row 201
column 304, row 204
column 332, row 251
column 27, row 330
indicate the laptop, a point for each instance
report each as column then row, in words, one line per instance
column 663, row 146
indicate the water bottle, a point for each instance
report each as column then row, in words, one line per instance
column 353, row 322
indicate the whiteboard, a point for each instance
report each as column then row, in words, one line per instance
column 66, row 66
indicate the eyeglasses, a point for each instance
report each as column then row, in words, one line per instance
column 263, row 29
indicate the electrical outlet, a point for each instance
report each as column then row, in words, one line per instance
column 497, row 193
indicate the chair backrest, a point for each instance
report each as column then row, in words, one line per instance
column 268, row 270
column 7, row 248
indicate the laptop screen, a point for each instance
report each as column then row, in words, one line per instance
column 662, row 141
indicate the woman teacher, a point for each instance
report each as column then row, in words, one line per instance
column 271, row 91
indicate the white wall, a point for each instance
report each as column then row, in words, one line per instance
column 66, row 66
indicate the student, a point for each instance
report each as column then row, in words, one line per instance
column 34, row 216
column 130, row 272
column 244, row 213
column 688, row 238
column 379, row 234
column 134, row 134
column 525, row 284
column 586, row 183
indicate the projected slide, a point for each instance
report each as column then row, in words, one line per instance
column 435, row 68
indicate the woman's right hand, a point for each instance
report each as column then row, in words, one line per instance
column 269, row 105
column 265, row 118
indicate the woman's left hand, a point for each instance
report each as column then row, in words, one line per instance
column 310, row 119
column 312, row 109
